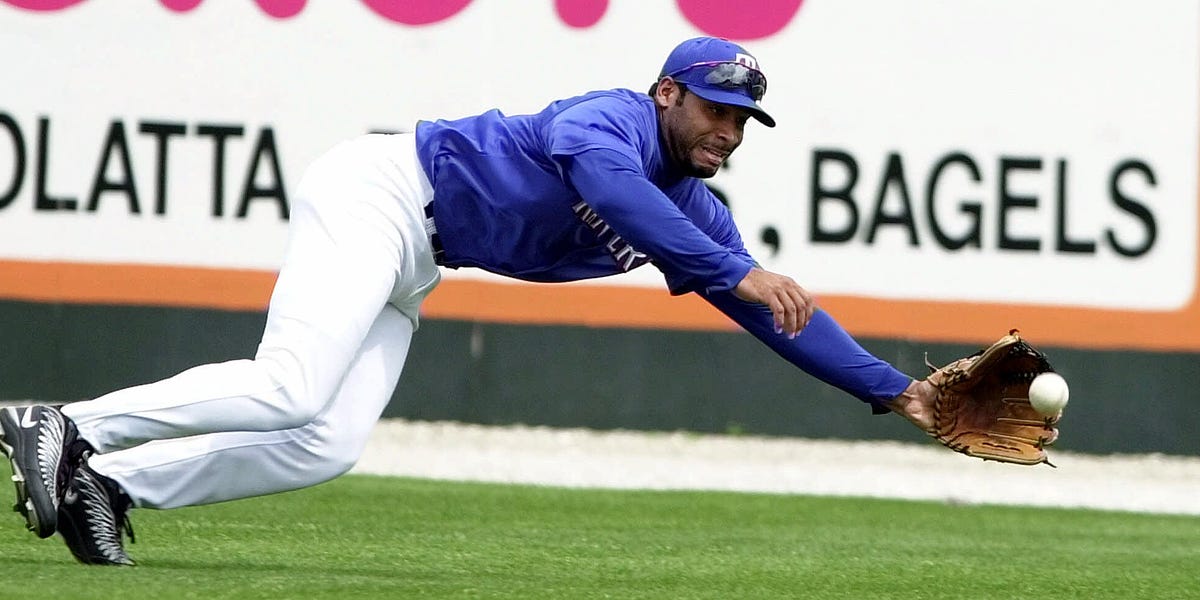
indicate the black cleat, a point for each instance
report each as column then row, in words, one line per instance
column 92, row 518
column 44, row 449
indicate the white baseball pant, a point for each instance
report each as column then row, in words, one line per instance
column 357, row 266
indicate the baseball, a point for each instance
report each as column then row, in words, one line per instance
column 1048, row 393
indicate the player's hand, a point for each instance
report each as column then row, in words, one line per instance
column 916, row 404
column 791, row 304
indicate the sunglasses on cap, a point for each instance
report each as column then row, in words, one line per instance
column 730, row 75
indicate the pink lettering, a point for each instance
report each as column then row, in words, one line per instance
column 181, row 5
column 281, row 9
column 739, row 19
column 733, row 19
column 580, row 13
column 416, row 12
column 43, row 5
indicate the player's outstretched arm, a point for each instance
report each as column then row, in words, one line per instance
column 791, row 305
column 822, row 349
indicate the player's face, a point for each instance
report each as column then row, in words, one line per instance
column 699, row 134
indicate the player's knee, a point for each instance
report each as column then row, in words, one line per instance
column 341, row 464
column 297, row 401
column 335, row 457
column 299, row 408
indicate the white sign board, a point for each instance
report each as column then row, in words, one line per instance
column 956, row 151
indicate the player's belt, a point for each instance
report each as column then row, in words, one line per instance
column 435, row 240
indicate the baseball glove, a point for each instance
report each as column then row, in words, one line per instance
column 982, row 408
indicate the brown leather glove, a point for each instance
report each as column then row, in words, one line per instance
column 982, row 408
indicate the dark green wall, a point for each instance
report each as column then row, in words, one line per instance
column 600, row 378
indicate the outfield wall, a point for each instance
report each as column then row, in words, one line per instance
column 942, row 172
column 571, row 376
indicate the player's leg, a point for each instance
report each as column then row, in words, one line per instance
column 357, row 241
column 335, row 279
column 231, row 465
column 226, row 466
column 332, row 285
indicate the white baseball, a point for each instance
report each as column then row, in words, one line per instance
column 1048, row 393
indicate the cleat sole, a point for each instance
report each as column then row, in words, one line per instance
column 24, row 504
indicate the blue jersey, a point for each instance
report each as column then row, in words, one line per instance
column 579, row 190
column 585, row 189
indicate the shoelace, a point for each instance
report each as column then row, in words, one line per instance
column 75, row 454
column 122, row 514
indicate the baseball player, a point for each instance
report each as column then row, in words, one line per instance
column 591, row 186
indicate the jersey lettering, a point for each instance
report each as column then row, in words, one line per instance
column 622, row 252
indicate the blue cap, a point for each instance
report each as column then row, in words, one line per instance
column 721, row 71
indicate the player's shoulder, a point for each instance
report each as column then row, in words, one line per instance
column 615, row 96
column 615, row 119
column 614, row 103
column 620, row 96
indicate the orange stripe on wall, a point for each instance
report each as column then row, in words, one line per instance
column 865, row 317
column 80, row 283
column 613, row 306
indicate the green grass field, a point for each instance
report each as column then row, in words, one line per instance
column 377, row 537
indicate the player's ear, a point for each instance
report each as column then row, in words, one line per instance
column 666, row 92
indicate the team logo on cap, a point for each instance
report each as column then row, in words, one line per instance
column 746, row 60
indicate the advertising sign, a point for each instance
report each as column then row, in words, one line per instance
column 941, row 170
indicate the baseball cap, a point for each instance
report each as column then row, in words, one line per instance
column 721, row 71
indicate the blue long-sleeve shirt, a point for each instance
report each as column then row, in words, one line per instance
column 585, row 189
